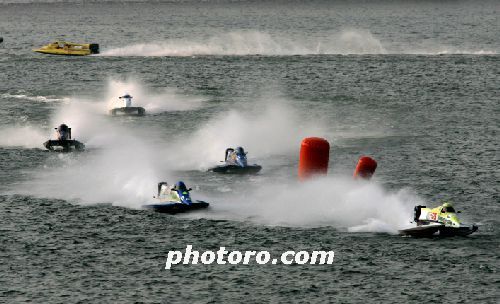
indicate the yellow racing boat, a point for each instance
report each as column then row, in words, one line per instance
column 69, row 49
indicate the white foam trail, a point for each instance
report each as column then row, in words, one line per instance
column 241, row 43
column 87, row 115
column 457, row 51
column 118, row 167
column 37, row 98
column 126, row 167
column 355, row 42
column 435, row 48
column 256, row 43
column 124, row 173
column 86, row 120
column 330, row 201
column 80, row 115
column 22, row 136
column 122, row 164
column 154, row 101
column 270, row 128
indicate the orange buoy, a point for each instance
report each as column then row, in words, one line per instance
column 314, row 157
column 365, row 168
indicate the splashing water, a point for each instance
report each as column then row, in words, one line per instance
column 256, row 43
column 359, row 206
column 87, row 115
column 22, row 136
column 242, row 43
column 36, row 98
column 126, row 167
column 153, row 101
column 119, row 167
column 268, row 129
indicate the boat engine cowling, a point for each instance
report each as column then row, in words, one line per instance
column 417, row 213
column 162, row 188
column 94, row 48
column 127, row 100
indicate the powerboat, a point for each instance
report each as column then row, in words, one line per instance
column 175, row 199
column 69, row 48
column 439, row 221
column 236, row 162
column 63, row 143
column 126, row 108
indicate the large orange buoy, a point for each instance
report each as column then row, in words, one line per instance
column 365, row 168
column 314, row 156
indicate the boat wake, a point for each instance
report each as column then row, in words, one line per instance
column 22, row 136
column 127, row 162
column 128, row 177
column 87, row 115
column 357, row 206
column 245, row 43
column 154, row 101
column 256, row 43
column 265, row 129
column 36, row 98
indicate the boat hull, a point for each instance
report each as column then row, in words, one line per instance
column 64, row 52
column 128, row 111
column 429, row 230
column 459, row 231
column 175, row 207
column 233, row 169
column 63, row 145
column 421, row 231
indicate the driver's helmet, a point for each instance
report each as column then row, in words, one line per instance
column 240, row 151
column 181, row 187
column 63, row 128
column 126, row 96
column 63, row 131
column 447, row 207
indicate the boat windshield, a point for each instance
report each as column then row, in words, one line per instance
column 449, row 209
column 181, row 187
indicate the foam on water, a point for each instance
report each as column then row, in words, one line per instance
column 270, row 127
column 122, row 155
column 36, row 98
column 251, row 42
column 118, row 166
column 123, row 177
column 335, row 201
column 87, row 115
column 122, row 167
column 22, row 136
column 154, row 101
column 256, row 43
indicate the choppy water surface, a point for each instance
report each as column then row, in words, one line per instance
column 414, row 85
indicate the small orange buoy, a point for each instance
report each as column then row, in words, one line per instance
column 314, row 157
column 365, row 168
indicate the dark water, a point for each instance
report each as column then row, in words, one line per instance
column 414, row 85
